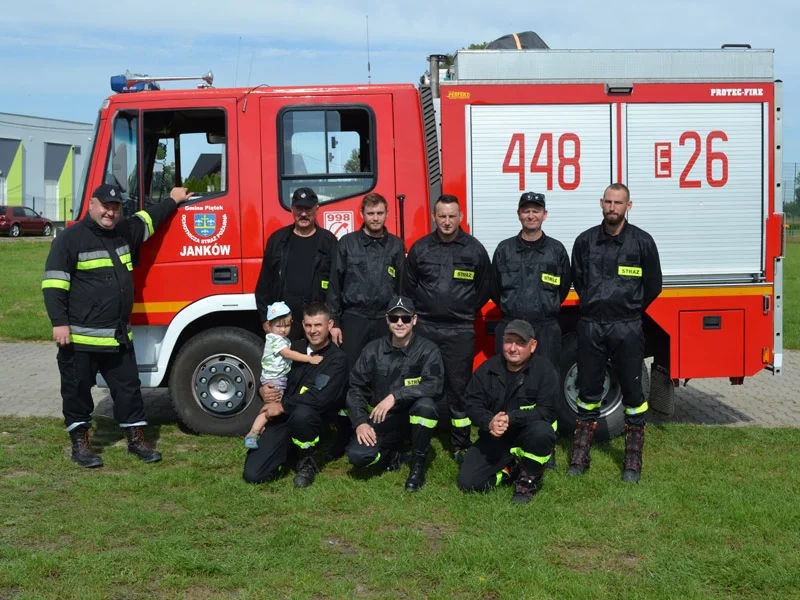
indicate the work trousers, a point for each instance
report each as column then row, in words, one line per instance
column 79, row 370
column 532, row 444
column 421, row 418
column 457, row 345
column 358, row 331
column 299, row 430
column 621, row 342
column 548, row 339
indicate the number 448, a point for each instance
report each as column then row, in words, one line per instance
column 568, row 148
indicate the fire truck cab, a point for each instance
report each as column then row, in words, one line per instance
column 695, row 134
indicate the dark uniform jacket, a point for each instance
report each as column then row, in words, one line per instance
column 365, row 275
column 88, row 283
column 272, row 279
column 532, row 279
column 410, row 373
column 448, row 281
column 316, row 386
column 616, row 277
column 526, row 396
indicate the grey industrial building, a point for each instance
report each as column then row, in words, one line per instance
column 41, row 161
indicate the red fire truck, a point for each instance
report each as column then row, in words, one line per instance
column 695, row 134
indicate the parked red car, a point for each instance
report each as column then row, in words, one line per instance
column 19, row 220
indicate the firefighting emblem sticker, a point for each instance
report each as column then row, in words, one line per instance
column 204, row 229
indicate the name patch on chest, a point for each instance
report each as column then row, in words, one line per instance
column 630, row 271
column 554, row 279
column 391, row 271
column 412, row 381
column 465, row 275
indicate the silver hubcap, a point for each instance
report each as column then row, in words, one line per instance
column 612, row 394
column 223, row 385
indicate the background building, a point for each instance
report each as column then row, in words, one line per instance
column 41, row 161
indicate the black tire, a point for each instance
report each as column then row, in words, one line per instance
column 612, row 414
column 14, row 231
column 47, row 230
column 214, row 381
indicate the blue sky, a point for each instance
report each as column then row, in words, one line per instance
column 58, row 56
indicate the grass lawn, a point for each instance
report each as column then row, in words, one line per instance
column 714, row 517
column 22, row 313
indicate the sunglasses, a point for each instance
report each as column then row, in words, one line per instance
column 395, row 318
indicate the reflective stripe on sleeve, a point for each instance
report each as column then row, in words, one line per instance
column 460, row 422
column 63, row 275
column 90, row 336
column 56, row 283
column 429, row 423
column 147, row 221
column 527, row 407
column 637, row 409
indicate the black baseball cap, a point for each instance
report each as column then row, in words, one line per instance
column 531, row 198
column 401, row 303
column 108, row 193
column 521, row 328
column 304, row 197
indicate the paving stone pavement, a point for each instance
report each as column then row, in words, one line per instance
column 31, row 388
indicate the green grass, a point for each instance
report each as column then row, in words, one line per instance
column 791, row 294
column 714, row 517
column 22, row 313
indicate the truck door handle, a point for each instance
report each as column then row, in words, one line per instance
column 712, row 322
column 224, row 275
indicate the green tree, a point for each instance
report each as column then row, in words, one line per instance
column 353, row 164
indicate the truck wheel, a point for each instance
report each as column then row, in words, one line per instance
column 612, row 414
column 214, row 381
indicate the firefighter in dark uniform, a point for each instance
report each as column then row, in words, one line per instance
column 365, row 275
column 617, row 274
column 298, row 417
column 511, row 398
column 297, row 262
column 395, row 383
column 532, row 279
column 88, row 293
column 449, row 277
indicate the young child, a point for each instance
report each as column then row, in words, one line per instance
column 276, row 362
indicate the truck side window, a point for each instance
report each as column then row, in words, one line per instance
column 329, row 149
column 184, row 148
column 122, row 162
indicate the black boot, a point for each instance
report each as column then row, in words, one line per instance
column 306, row 469
column 416, row 478
column 525, row 487
column 137, row 445
column 81, row 451
column 392, row 461
column 634, row 444
column 581, row 445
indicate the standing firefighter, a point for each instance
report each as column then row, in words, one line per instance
column 532, row 279
column 511, row 399
column 448, row 276
column 88, row 293
column 617, row 274
column 401, row 376
column 297, row 260
column 365, row 275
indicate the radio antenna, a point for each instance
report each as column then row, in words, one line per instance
column 252, row 56
column 369, row 72
column 238, row 48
